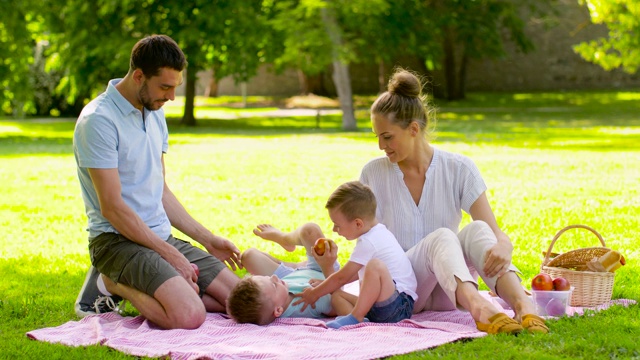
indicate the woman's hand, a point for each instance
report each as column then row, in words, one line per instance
column 498, row 259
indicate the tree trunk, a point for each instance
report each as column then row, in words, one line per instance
column 317, row 84
column 212, row 88
column 452, row 72
column 342, row 81
column 431, row 85
column 189, row 98
column 462, row 78
column 382, row 78
column 341, row 77
column 449, row 63
column 304, row 83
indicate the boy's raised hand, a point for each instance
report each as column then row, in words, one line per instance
column 328, row 257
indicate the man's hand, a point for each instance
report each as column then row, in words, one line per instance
column 224, row 250
column 183, row 267
column 308, row 297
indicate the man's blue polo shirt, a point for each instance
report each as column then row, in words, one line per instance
column 110, row 133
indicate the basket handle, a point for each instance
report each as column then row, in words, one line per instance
column 546, row 257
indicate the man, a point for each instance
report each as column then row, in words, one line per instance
column 119, row 145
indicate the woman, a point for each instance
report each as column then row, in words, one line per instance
column 421, row 191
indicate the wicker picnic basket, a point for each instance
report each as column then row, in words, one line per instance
column 590, row 288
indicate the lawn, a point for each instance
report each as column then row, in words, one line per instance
column 549, row 160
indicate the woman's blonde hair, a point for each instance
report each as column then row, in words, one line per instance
column 404, row 102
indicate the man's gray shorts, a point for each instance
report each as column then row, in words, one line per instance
column 141, row 268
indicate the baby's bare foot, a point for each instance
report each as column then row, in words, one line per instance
column 268, row 232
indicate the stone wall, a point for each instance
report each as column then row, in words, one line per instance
column 553, row 65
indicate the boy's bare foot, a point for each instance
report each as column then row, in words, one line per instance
column 268, row 232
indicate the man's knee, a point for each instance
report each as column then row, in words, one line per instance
column 311, row 231
column 190, row 317
column 250, row 255
column 183, row 307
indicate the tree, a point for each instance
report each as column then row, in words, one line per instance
column 226, row 34
column 620, row 49
column 17, row 44
column 322, row 33
column 91, row 41
column 473, row 29
column 341, row 76
column 386, row 36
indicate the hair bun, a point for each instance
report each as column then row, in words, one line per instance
column 405, row 83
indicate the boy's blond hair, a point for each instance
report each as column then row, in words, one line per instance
column 354, row 200
column 246, row 304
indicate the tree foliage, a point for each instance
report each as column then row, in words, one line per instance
column 82, row 44
column 17, row 44
column 462, row 30
column 621, row 47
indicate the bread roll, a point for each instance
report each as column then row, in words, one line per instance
column 610, row 261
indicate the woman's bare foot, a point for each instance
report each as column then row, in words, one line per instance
column 522, row 308
column 268, row 232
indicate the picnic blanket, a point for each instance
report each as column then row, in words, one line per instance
column 293, row 338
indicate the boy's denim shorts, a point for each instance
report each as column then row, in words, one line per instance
column 396, row 308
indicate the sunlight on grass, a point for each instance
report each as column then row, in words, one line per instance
column 9, row 129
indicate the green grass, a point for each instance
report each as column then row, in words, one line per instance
column 549, row 160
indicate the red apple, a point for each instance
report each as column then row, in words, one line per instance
column 196, row 269
column 542, row 282
column 561, row 284
column 320, row 246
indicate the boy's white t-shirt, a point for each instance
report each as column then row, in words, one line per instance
column 379, row 243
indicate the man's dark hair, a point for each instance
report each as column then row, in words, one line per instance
column 154, row 52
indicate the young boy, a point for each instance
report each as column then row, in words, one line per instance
column 268, row 293
column 387, row 281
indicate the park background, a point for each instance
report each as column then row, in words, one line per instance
column 542, row 95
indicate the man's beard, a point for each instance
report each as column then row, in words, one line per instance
column 143, row 94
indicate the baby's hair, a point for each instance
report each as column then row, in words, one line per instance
column 404, row 102
column 245, row 303
column 354, row 200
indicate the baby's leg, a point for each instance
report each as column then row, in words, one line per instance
column 305, row 235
